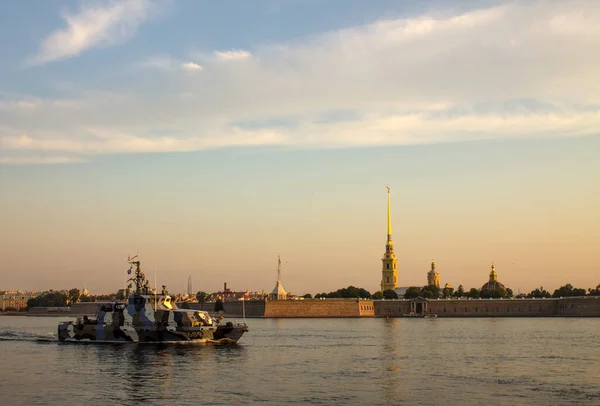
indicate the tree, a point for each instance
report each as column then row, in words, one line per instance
column 430, row 292
column 73, row 295
column 53, row 299
column 460, row 292
column 201, row 296
column 121, row 294
column 494, row 293
column 412, row 292
column 377, row 295
column 473, row 293
column 448, row 292
column 568, row 290
column 389, row 294
column 594, row 292
column 219, row 306
column 349, row 292
column 307, row 296
column 539, row 293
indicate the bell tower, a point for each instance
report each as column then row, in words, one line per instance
column 389, row 273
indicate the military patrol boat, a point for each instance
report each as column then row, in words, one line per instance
column 149, row 317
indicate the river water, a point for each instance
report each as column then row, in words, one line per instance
column 492, row 361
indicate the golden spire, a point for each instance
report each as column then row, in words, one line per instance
column 493, row 274
column 389, row 218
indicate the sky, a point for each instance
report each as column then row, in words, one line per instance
column 211, row 137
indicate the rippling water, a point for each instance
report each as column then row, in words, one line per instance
column 321, row 361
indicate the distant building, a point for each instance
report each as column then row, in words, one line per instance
column 279, row 292
column 389, row 272
column 16, row 299
column 228, row 295
column 190, row 291
column 433, row 277
column 493, row 283
column 85, row 291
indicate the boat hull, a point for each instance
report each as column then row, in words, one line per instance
column 74, row 332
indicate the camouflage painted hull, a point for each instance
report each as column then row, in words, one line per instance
column 101, row 333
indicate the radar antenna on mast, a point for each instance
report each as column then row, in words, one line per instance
column 141, row 283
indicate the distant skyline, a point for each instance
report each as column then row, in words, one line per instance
column 212, row 137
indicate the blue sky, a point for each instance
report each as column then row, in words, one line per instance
column 201, row 120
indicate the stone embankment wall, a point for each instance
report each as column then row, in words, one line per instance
column 564, row 307
column 319, row 308
column 253, row 308
column 49, row 311
column 76, row 309
column 294, row 308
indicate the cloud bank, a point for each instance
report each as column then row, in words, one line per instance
column 516, row 70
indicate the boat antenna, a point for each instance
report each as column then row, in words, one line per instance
column 244, row 309
column 155, row 291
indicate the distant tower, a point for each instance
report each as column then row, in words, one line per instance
column 493, row 274
column 85, row 291
column 389, row 273
column 433, row 276
column 189, row 290
column 492, row 284
column 279, row 293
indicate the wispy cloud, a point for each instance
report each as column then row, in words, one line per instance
column 39, row 160
column 93, row 25
column 167, row 63
column 518, row 70
column 191, row 66
column 232, row 55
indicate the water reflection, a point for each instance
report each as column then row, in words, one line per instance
column 145, row 373
column 366, row 361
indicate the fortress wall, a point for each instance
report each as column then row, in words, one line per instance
column 575, row 307
column 87, row 308
column 493, row 308
column 319, row 308
column 578, row 307
column 253, row 308
column 391, row 308
column 49, row 311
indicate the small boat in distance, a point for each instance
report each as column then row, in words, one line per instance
column 149, row 317
column 421, row 315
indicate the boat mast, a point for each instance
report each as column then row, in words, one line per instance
column 141, row 283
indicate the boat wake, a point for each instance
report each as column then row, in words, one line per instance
column 9, row 335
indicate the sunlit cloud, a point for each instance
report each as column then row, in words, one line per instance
column 232, row 55
column 517, row 70
column 191, row 66
column 93, row 25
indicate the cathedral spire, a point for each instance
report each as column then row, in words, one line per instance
column 389, row 274
column 389, row 218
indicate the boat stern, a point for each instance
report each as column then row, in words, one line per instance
column 230, row 331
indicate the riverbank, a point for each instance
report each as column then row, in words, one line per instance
column 364, row 308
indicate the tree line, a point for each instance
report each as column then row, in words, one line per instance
column 433, row 292
column 66, row 298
